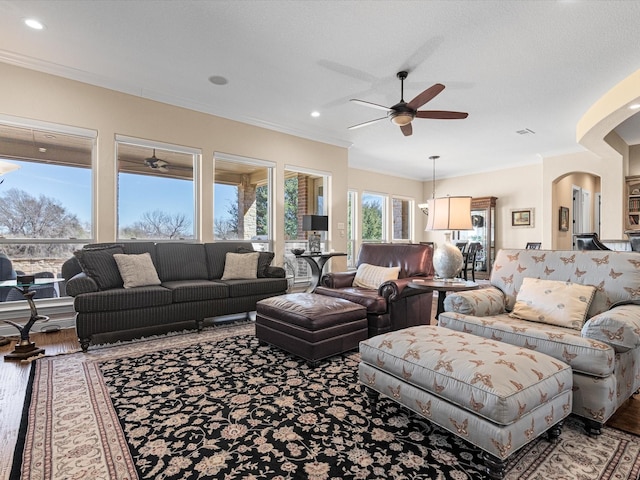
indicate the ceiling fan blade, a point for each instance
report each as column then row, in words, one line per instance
column 353, row 127
column 407, row 129
column 441, row 114
column 425, row 96
column 369, row 104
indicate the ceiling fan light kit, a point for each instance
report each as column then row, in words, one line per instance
column 403, row 113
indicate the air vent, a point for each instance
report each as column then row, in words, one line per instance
column 525, row 131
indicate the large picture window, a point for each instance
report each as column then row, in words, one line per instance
column 45, row 197
column 242, row 199
column 156, row 191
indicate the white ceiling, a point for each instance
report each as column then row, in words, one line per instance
column 513, row 65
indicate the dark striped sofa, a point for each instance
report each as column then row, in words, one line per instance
column 191, row 290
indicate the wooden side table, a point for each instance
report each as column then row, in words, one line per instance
column 442, row 288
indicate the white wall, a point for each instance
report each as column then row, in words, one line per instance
column 515, row 188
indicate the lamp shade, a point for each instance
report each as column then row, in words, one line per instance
column 315, row 223
column 449, row 213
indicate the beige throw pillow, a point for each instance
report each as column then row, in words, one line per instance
column 137, row 270
column 558, row 303
column 240, row 266
column 372, row 276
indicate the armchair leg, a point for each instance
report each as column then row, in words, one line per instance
column 593, row 428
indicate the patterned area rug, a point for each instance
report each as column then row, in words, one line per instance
column 217, row 405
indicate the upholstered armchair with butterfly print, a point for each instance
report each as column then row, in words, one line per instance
column 581, row 307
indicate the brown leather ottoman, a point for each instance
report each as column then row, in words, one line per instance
column 311, row 326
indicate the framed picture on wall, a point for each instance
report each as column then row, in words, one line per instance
column 522, row 217
column 564, row 219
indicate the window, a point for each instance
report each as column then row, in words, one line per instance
column 305, row 193
column 401, row 210
column 373, row 217
column 352, row 234
column 156, row 191
column 242, row 199
column 45, row 196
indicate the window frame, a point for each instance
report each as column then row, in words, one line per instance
column 196, row 154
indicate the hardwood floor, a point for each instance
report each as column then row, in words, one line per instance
column 14, row 376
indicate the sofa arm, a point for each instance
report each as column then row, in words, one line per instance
column 338, row 279
column 80, row 283
column 479, row 303
column 618, row 327
column 275, row 272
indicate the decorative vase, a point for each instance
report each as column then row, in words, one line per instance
column 447, row 259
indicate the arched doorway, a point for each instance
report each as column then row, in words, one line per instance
column 579, row 193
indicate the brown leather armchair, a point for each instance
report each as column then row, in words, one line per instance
column 393, row 305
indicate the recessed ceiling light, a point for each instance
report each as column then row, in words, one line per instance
column 315, row 114
column 218, row 80
column 635, row 106
column 33, row 23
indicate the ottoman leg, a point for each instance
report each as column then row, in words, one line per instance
column 494, row 467
column 373, row 398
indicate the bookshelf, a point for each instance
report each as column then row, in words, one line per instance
column 633, row 202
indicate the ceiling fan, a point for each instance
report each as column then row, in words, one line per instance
column 402, row 113
column 155, row 163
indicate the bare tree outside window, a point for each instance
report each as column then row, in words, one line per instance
column 157, row 224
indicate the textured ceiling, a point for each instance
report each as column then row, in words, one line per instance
column 533, row 66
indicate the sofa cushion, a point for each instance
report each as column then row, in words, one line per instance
column 584, row 355
column 196, row 290
column 137, row 270
column 372, row 276
column 181, row 261
column 367, row 297
column 550, row 301
column 99, row 264
column 122, row 299
column 256, row 287
column 240, row 266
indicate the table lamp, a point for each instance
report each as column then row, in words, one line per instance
column 448, row 213
column 315, row 224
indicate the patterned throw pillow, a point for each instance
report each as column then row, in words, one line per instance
column 372, row 276
column 98, row 263
column 564, row 304
column 240, row 266
column 137, row 270
column 264, row 260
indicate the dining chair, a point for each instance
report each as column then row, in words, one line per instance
column 470, row 260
